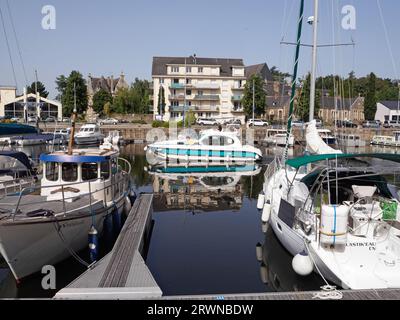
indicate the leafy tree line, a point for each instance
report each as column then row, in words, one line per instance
column 135, row 99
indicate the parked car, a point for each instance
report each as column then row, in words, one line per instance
column 345, row 124
column 257, row 123
column 394, row 124
column 386, row 124
column 108, row 121
column 318, row 123
column 32, row 119
column 234, row 121
column 15, row 119
column 206, row 121
column 370, row 124
column 298, row 124
column 50, row 119
column 66, row 119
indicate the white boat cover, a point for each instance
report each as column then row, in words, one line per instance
column 315, row 144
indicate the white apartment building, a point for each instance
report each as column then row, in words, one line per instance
column 210, row 87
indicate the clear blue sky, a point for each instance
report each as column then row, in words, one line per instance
column 107, row 37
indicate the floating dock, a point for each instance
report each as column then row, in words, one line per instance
column 122, row 273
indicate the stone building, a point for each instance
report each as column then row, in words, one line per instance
column 109, row 84
column 345, row 109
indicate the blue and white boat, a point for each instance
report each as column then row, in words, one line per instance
column 211, row 146
column 50, row 223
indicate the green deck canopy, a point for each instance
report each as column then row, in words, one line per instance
column 302, row 161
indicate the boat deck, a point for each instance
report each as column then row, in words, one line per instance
column 30, row 203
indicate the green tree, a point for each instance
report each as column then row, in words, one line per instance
column 370, row 98
column 141, row 96
column 100, row 98
column 122, row 102
column 107, row 109
column 259, row 96
column 65, row 87
column 303, row 108
column 161, row 101
column 40, row 88
column 277, row 75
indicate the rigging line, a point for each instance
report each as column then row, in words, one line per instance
column 8, row 46
column 387, row 40
column 17, row 42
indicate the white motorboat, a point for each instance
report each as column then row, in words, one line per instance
column 89, row 134
column 390, row 141
column 278, row 137
column 115, row 138
column 76, row 193
column 211, row 146
column 327, row 136
column 350, row 140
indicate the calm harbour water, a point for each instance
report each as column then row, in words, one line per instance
column 206, row 229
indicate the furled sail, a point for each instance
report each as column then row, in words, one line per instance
column 315, row 144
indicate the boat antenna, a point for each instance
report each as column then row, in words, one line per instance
column 294, row 77
column 71, row 136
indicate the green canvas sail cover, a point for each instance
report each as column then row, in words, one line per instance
column 302, row 161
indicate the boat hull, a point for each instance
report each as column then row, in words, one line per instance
column 28, row 246
column 88, row 140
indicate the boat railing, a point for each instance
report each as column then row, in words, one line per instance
column 117, row 186
column 16, row 185
column 126, row 165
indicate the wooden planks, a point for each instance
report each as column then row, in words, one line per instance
column 127, row 243
column 381, row 294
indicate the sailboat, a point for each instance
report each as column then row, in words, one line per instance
column 335, row 215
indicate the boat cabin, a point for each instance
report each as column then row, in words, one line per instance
column 85, row 171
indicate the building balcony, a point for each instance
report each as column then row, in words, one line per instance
column 176, row 96
column 207, row 97
column 237, row 97
column 180, row 108
column 237, row 88
column 177, row 86
column 206, row 108
column 212, row 86
column 238, row 110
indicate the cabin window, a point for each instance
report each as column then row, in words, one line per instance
column 52, row 171
column 105, row 170
column 89, row 171
column 70, row 172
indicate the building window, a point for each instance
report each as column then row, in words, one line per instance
column 188, row 69
column 189, row 92
column 200, row 69
column 161, row 80
column 176, row 80
column 175, row 103
column 188, row 81
column 174, row 69
column 200, row 92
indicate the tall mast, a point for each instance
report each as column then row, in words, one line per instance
column 72, row 134
column 294, row 77
column 314, row 61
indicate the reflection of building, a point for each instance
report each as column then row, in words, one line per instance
column 30, row 104
column 208, row 193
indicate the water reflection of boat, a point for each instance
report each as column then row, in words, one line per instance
column 181, row 187
column 276, row 270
